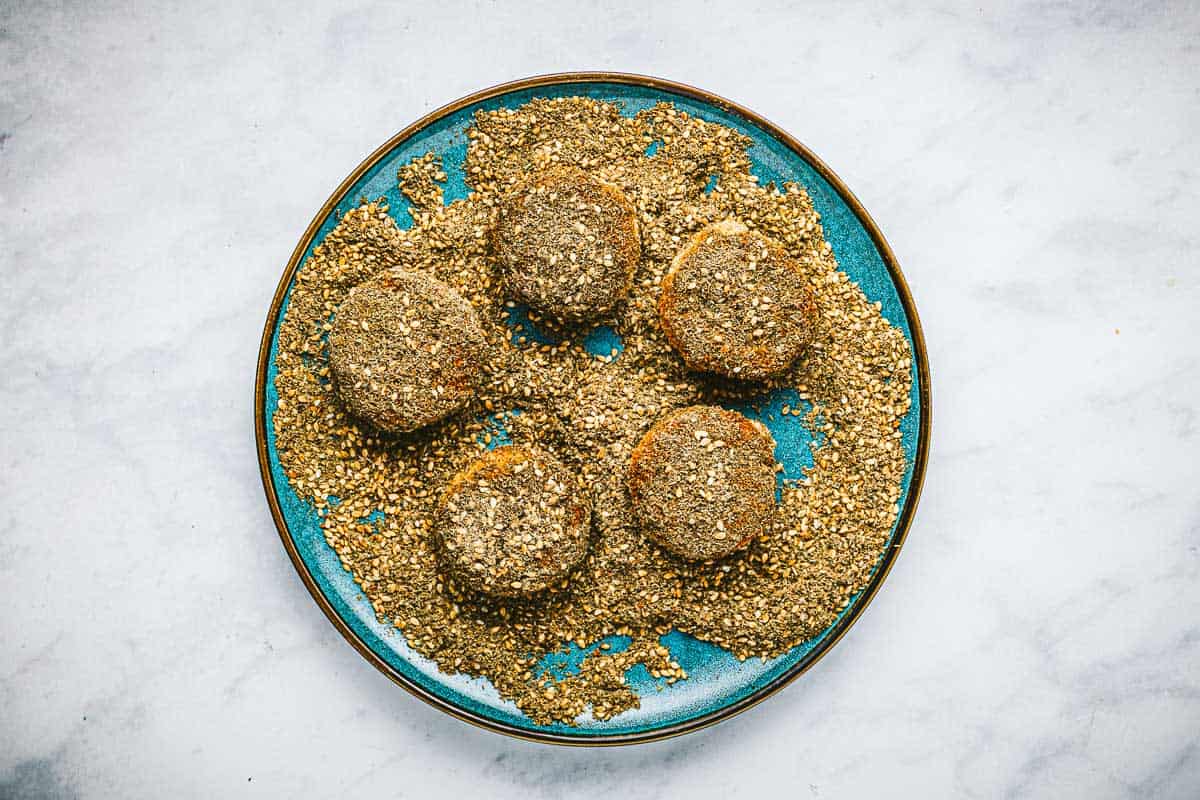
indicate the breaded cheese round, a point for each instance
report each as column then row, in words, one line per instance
column 406, row 350
column 567, row 244
column 702, row 482
column 514, row 522
column 734, row 303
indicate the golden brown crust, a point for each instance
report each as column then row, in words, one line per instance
column 405, row 351
column 702, row 482
column 513, row 522
column 733, row 302
column 567, row 244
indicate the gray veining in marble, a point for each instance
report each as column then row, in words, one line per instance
column 1036, row 167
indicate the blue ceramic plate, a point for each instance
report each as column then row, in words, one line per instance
column 718, row 685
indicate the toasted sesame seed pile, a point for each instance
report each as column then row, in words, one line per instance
column 788, row 585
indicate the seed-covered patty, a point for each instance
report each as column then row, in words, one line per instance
column 567, row 244
column 702, row 482
column 514, row 522
column 406, row 350
column 734, row 303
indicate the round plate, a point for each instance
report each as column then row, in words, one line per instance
column 718, row 685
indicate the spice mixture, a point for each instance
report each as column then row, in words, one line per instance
column 828, row 531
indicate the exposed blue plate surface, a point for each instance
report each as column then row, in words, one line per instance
column 717, row 682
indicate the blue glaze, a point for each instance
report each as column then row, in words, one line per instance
column 494, row 425
column 565, row 661
column 374, row 519
column 716, row 679
column 520, row 323
column 603, row 341
column 794, row 442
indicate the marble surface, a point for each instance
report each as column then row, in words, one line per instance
column 1035, row 167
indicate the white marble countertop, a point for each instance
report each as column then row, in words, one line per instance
column 1037, row 170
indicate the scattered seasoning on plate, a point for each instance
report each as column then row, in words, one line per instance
column 420, row 181
column 378, row 495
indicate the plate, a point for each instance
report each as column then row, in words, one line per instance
column 718, row 686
